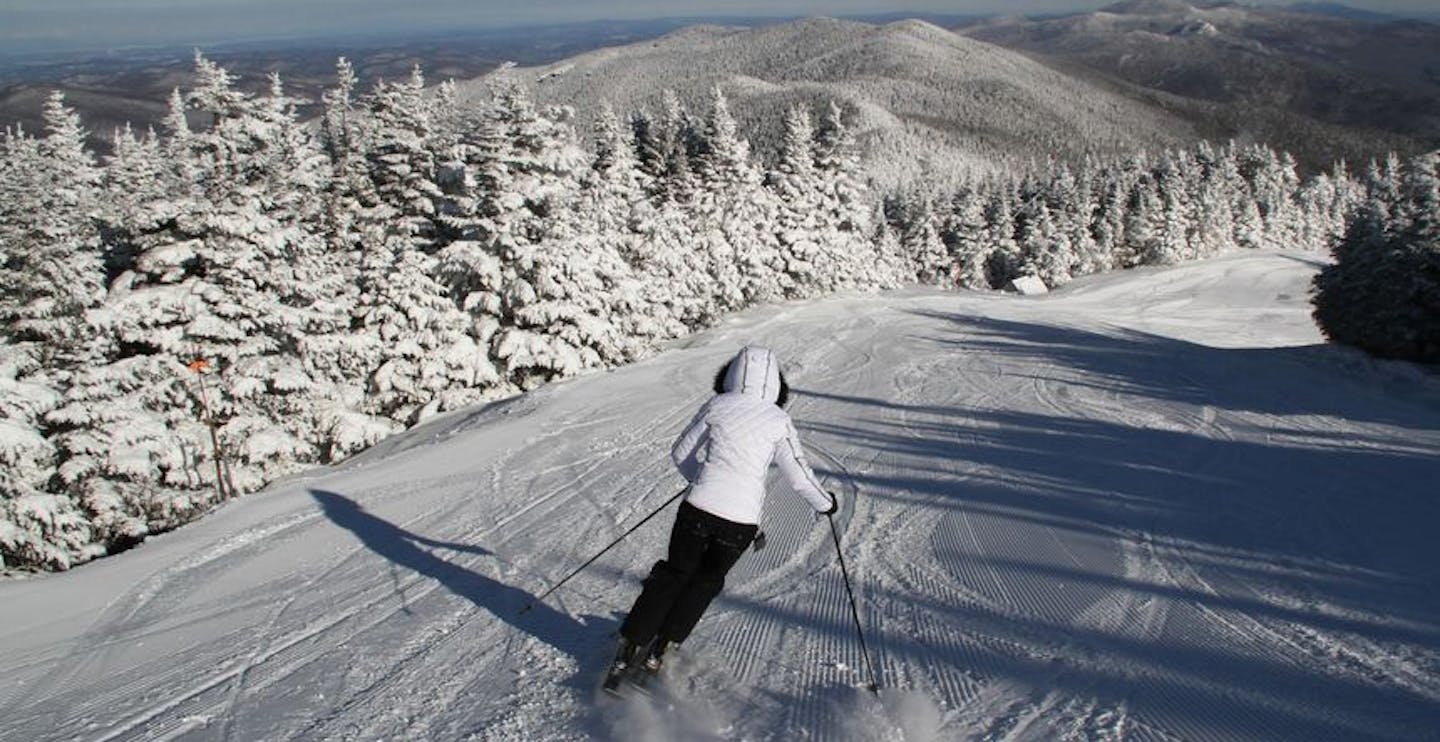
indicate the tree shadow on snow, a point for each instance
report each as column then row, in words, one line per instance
column 1293, row 505
column 561, row 631
column 1260, row 380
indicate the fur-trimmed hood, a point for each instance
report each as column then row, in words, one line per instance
column 754, row 371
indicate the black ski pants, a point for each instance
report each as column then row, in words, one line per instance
column 703, row 548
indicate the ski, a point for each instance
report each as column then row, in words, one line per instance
column 616, row 678
column 622, row 668
column 630, row 673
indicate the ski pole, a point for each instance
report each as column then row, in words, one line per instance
column 612, row 545
column 874, row 686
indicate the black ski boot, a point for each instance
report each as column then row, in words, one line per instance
column 620, row 666
column 655, row 658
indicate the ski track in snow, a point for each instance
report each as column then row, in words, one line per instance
column 1148, row 506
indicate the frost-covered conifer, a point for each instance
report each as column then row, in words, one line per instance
column 913, row 216
column 1382, row 293
column 1273, row 186
column 401, row 159
column 38, row 529
column 1214, row 212
column 136, row 176
column 1144, row 224
column 1073, row 198
column 1003, row 264
column 799, row 218
column 1172, row 243
column 20, row 179
column 422, row 352
column 613, row 209
column 557, row 317
column 1110, row 215
column 482, row 218
column 1325, row 203
column 52, row 273
column 349, row 191
column 965, row 236
column 133, row 455
column 415, row 349
column 665, row 152
column 848, row 207
column 732, row 212
column 1044, row 248
column 267, row 278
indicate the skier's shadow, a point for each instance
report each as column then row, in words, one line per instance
column 403, row 548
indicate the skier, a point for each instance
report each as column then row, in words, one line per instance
column 724, row 453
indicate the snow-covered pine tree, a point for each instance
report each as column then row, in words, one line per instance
column 1325, row 203
column 349, row 190
column 39, row 529
column 556, row 315
column 419, row 351
column 351, row 204
column 481, row 219
column 1003, row 264
column 1044, row 247
column 52, row 274
column 1144, row 223
column 913, row 216
column 121, row 425
column 1074, row 197
column 965, row 236
column 73, row 519
column 665, row 154
column 1214, row 214
column 676, row 284
column 1273, row 185
column 795, row 181
column 1382, row 184
column 1382, row 292
column 133, row 455
column 135, row 177
column 732, row 212
column 1421, row 194
column 1172, row 243
column 508, row 190
column 422, row 351
column 401, row 158
column 132, row 450
column 613, row 209
column 1112, row 195
column 848, row 208
column 267, row 277
column 20, row 179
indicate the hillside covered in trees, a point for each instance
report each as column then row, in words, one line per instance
column 240, row 294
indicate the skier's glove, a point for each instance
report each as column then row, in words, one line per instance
column 834, row 505
column 759, row 542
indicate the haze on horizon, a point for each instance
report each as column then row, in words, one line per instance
column 29, row 26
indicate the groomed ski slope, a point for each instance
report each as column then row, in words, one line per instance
column 1149, row 506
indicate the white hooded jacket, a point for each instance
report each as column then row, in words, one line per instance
column 727, row 449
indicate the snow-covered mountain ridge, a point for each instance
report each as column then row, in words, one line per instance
column 926, row 101
column 1172, row 516
column 1321, row 86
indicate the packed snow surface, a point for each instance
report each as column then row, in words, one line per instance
column 1150, row 505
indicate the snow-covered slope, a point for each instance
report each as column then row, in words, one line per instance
column 1147, row 506
column 922, row 99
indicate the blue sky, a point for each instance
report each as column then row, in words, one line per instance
column 38, row 24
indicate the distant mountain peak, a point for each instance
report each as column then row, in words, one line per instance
column 1196, row 28
column 1148, row 7
column 1337, row 10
